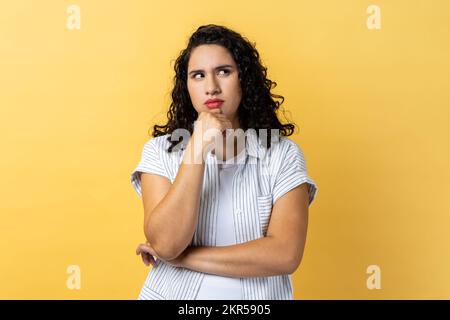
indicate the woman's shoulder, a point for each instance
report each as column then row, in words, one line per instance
column 284, row 151
column 284, row 147
column 159, row 143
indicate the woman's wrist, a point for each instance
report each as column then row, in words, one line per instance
column 195, row 151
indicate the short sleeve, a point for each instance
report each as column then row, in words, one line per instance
column 151, row 162
column 293, row 173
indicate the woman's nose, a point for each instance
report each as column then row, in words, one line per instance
column 212, row 86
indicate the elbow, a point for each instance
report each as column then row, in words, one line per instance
column 292, row 262
column 164, row 251
column 166, row 248
column 288, row 258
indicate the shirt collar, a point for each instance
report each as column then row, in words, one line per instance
column 253, row 144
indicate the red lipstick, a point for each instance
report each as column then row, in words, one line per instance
column 213, row 103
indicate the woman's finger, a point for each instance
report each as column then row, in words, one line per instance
column 140, row 248
column 144, row 258
column 152, row 260
column 148, row 259
column 147, row 254
column 145, row 248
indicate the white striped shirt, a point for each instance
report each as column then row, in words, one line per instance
column 265, row 176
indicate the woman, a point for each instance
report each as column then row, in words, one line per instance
column 225, row 209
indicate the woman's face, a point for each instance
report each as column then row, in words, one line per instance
column 213, row 74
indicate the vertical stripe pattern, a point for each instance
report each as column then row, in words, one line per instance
column 264, row 177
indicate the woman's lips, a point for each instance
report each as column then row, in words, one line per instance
column 215, row 104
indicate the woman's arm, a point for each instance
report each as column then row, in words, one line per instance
column 257, row 258
column 171, row 211
column 280, row 252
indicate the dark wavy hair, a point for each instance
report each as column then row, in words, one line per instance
column 258, row 105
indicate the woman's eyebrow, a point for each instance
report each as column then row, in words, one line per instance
column 216, row 68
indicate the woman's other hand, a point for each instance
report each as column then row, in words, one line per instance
column 149, row 255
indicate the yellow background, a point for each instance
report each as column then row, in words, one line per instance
column 372, row 107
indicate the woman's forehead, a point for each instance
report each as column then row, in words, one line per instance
column 210, row 56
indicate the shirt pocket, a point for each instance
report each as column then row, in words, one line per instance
column 264, row 211
column 148, row 293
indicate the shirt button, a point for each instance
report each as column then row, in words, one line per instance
column 238, row 211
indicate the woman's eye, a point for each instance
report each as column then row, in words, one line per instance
column 225, row 71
